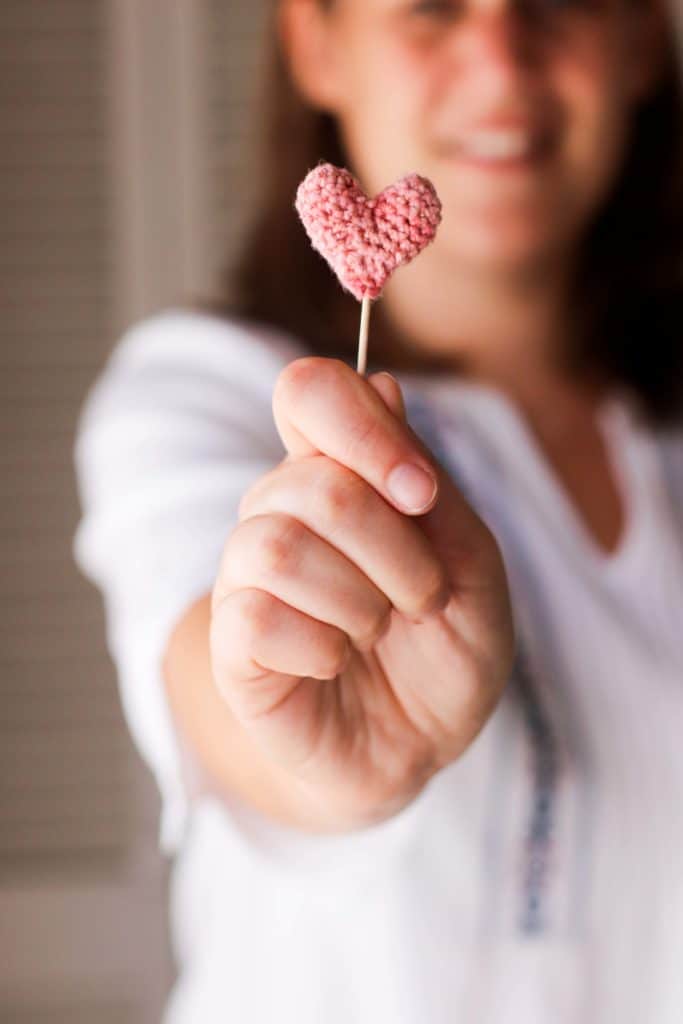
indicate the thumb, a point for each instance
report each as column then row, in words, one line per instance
column 389, row 391
column 454, row 527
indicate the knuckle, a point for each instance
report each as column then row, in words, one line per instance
column 228, row 569
column 280, row 544
column 237, row 642
column 336, row 656
column 254, row 610
column 298, row 375
column 434, row 592
column 239, row 554
column 382, row 618
column 256, row 488
column 377, row 625
column 340, row 492
column 293, row 373
column 239, row 621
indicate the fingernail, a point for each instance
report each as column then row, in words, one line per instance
column 411, row 486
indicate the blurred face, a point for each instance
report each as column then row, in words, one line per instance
column 518, row 112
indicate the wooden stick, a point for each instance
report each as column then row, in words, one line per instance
column 363, row 336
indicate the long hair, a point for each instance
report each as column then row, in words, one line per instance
column 628, row 290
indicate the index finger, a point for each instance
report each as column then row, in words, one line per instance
column 321, row 405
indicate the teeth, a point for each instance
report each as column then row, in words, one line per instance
column 497, row 145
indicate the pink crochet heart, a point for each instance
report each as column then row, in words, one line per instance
column 362, row 239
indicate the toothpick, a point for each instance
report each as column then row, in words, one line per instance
column 363, row 336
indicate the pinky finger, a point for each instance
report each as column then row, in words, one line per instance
column 261, row 648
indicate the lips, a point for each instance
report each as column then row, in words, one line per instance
column 502, row 142
column 497, row 145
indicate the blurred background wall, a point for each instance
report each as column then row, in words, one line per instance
column 124, row 184
column 123, row 132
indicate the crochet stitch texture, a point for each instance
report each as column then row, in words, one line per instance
column 364, row 240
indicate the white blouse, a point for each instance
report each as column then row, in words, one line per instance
column 537, row 879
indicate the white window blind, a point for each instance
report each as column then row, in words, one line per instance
column 124, row 128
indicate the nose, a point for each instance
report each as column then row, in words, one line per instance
column 498, row 41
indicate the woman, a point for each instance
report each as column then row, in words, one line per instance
column 369, row 824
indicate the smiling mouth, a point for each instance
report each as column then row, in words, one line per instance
column 499, row 149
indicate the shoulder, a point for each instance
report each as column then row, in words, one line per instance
column 207, row 340
column 179, row 341
column 181, row 359
column 174, row 427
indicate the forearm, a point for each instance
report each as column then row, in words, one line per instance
column 226, row 758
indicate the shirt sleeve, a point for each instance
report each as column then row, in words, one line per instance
column 172, row 432
column 170, row 435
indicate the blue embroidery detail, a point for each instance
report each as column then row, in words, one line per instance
column 542, row 741
column 541, row 819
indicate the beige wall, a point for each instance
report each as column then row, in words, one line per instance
column 122, row 125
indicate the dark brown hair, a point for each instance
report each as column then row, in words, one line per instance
column 628, row 291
